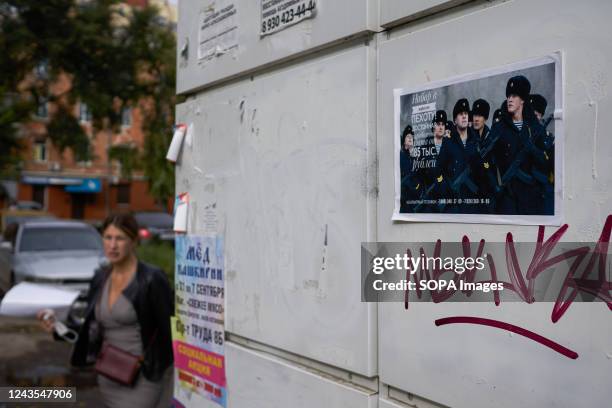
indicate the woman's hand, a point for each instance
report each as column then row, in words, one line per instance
column 47, row 319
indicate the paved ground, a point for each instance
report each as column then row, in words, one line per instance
column 29, row 357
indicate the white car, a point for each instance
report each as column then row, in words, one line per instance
column 52, row 252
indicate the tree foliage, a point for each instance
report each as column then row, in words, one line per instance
column 65, row 131
column 112, row 56
column 129, row 157
column 11, row 114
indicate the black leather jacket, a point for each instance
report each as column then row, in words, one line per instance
column 153, row 301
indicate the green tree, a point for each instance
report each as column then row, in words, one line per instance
column 12, row 112
column 114, row 57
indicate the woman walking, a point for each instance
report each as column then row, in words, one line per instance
column 127, row 325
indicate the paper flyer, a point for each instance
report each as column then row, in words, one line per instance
column 483, row 147
column 177, row 142
column 181, row 206
column 198, row 334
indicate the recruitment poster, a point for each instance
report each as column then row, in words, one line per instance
column 198, row 328
column 483, row 148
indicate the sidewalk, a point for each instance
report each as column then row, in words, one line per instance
column 30, row 357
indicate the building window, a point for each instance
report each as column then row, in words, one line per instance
column 42, row 110
column 84, row 113
column 38, row 194
column 40, row 152
column 123, row 194
column 126, row 117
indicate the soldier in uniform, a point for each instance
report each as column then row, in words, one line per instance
column 449, row 128
column 518, row 135
column 437, row 188
column 498, row 113
column 410, row 183
column 458, row 162
column 545, row 173
column 480, row 114
column 488, row 186
column 438, row 124
column 538, row 103
column 496, row 116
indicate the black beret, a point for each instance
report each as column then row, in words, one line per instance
column 462, row 105
column 520, row 86
column 407, row 129
column 497, row 115
column 440, row 116
column 538, row 102
column 481, row 107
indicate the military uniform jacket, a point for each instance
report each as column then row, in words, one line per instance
column 489, row 167
column 436, row 185
column 411, row 184
column 454, row 158
column 522, row 194
column 485, row 139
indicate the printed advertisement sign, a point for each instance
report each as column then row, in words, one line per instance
column 198, row 328
column 277, row 15
column 482, row 148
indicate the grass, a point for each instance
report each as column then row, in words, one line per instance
column 160, row 254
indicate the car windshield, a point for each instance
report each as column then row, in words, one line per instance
column 59, row 239
column 155, row 220
column 9, row 219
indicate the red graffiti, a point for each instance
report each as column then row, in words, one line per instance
column 509, row 327
column 524, row 285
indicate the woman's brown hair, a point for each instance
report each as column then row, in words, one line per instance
column 125, row 222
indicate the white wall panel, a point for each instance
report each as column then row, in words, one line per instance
column 404, row 401
column 284, row 159
column 387, row 403
column 587, row 53
column 334, row 20
column 472, row 366
column 258, row 380
column 477, row 366
column 394, row 12
column 382, row 403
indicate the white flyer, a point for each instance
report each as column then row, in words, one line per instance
column 277, row 15
column 217, row 31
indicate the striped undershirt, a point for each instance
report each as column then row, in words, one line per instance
column 519, row 124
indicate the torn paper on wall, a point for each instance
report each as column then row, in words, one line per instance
column 176, row 143
column 217, row 31
column 181, row 206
